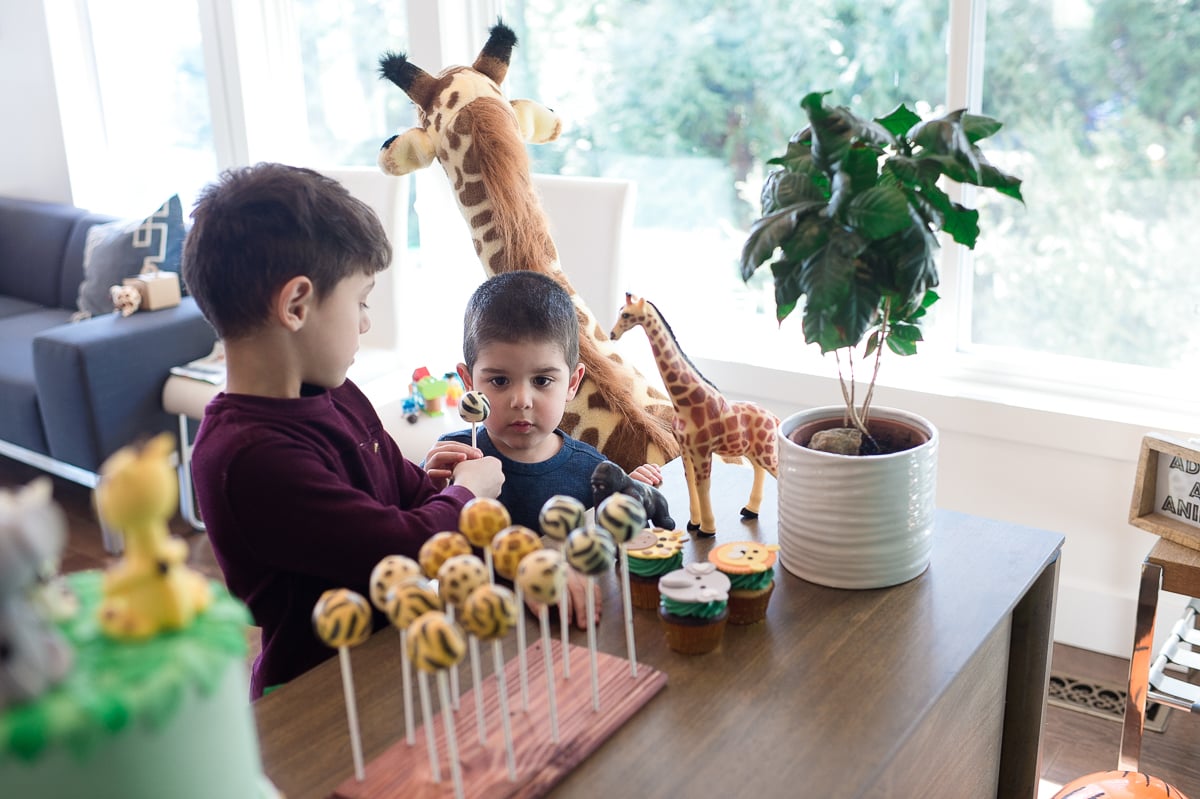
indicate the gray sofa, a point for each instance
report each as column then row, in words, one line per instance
column 71, row 393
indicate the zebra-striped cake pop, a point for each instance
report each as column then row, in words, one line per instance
column 590, row 551
column 560, row 515
column 622, row 516
column 474, row 407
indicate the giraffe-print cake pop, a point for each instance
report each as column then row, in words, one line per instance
column 481, row 519
column 511, row 545
column 439, row 548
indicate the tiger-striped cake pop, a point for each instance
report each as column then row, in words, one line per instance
column 511, row 545
column 560, row 515
column 435, row 643
column 591, row 551
column 622, row 516
column 473, row 407
column 342, row 617
column 459, row 576
column 489, row 612
column 408, row 600
column 390, row 571
column 543, row 575
column 439, row 548
column 481, row 519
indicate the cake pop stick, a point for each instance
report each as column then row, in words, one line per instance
column 389, row 572
column 436, row 644
column 558, row 517
column 624, row 517
column 404, row 602
column 591, row 551
column 474, row 407
column 543, row 575
column 488, row 614
column 481, row 520
column 436, row 550
column 508, row 547
column 457, row 578
column 342, row 619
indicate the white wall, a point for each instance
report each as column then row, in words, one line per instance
column 33, row 162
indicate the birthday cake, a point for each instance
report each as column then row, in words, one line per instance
column 164, row 716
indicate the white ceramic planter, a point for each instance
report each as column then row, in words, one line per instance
column 850, row 521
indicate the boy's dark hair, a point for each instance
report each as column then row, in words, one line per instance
column 258, row 227
column 520, row 306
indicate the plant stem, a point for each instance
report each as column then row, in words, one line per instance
column 866, row 409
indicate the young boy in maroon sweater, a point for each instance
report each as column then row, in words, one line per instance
column 300, row 487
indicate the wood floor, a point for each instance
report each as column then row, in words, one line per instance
column 1074, row 744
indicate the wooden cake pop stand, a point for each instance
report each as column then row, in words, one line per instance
column 403, row 770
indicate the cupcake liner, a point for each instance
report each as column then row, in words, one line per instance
column 749, row 607
column 643, row 592
column 692, row 636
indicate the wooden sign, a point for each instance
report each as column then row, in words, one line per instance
column 1166, row 491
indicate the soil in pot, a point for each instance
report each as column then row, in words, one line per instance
column 887, row 436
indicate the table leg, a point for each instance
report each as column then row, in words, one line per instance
column 1030, row 641
column 1139, row 668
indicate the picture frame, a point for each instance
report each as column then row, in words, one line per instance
column 1166, row 489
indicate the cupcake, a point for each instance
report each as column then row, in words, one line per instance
column 750, row 568
column 652, row 553
column 694, row 607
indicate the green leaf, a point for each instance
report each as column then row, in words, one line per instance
column 901, row 346
column 783, row 188
column 879, row 212
column 979, row 127
column 906, row 332
column 962, row 224
column 900, row 121
column 768, row 233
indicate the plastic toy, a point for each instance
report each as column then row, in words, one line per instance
column 706, row 423
column 614, row 407
column 32, row 534
column 150, row 589
column 1118, row 785
column 608, row 478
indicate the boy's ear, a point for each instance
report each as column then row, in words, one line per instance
column 294, row 301
column 465, row 375
column 573, row 383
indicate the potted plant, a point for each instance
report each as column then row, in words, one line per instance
column 849, row 226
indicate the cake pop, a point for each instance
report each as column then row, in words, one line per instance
column 508, row 548
column 591, row 551
column 481, row 519
column 342, row 619
column 474, row 408
column 438, row 548
column 488, row 614
column 391, row 571
column 436, row 645
column 543, row 575
column 406, row 601
column 558, row 517
column 624, row 517
column 457, row 578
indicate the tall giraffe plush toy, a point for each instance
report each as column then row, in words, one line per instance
column 706, row 423
column 479, row 138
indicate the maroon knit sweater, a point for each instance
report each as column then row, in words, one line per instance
column 302, row 495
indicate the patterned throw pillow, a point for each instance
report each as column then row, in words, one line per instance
column 125, row 248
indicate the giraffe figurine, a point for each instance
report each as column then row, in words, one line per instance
column 706, row 423
column 479, row 138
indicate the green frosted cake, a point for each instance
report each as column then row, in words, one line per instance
column 165, row 717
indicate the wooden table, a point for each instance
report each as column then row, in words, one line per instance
column 933, row 688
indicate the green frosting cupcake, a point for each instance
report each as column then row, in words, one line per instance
column 653, row 567
column 755, row 581
column 694, row 610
